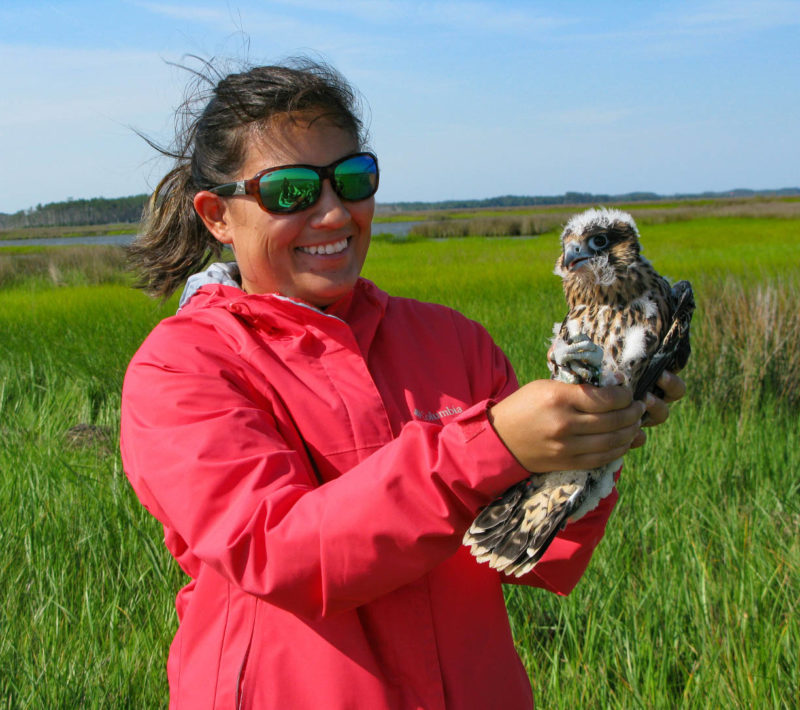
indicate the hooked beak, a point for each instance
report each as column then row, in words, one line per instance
column 575, row 255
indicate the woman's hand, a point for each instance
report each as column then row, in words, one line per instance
column 673, row 388
column 552, row 426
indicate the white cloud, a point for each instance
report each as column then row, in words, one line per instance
column 369, row 11
column 301, row 17
column 51, row 84
column 739, row 16
column 487, row 17
column 189, row 13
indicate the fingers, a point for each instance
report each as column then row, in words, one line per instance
column 672, row 386
column 596, row 438
column 657, row 410
column 551, row 426
column 600, row 410
column 614, row 420
column 639, row 439
column 610, row 440
column 587, row 398
column 607, row 425
column 599, row 458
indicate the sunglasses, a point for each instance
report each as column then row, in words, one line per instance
column 291, row 188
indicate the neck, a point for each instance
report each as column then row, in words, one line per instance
column 608, row 285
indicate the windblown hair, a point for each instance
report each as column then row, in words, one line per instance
column 213, row 127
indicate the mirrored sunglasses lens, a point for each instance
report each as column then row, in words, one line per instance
column 289, row 190
column 356, row 178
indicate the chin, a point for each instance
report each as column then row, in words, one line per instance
column 324, row 294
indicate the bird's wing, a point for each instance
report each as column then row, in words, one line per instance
column 673, row 352
column 515, row 530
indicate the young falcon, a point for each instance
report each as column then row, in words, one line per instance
column 623, row 317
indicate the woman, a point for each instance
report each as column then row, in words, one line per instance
column 280, row 427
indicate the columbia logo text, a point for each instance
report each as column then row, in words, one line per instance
column 436, row 416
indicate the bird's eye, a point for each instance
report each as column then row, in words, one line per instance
column 598, row 241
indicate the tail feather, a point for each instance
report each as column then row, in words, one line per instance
column 498, row 512
column 515, row 530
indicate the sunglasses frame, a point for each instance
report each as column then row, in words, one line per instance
column 325, row 172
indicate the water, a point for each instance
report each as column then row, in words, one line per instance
column 116, row 239
column 395, row 228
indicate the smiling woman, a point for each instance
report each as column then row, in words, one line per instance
column 316, row 448
column 257, row 122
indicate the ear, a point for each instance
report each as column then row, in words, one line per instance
column 213, row 211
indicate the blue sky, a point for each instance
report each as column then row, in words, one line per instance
column 465, row 99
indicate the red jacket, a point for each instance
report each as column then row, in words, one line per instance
column 314, row 473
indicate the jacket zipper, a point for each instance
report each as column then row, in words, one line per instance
column 243, row 664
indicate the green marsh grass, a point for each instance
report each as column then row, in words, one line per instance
column 690, row 601
column 62, row 266
column 83, row 574
column 88, row 230
column 537, row 220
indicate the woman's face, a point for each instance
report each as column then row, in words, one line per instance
column 289, row 253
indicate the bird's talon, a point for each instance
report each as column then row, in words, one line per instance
column 579, row 361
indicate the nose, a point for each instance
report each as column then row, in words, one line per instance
column 329, row 212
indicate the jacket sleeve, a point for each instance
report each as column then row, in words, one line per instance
column 205, row 457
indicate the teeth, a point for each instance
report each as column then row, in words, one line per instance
column 333, row 248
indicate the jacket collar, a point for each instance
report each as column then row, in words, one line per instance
column 362, row 308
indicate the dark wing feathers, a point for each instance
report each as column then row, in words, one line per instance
column 494, row 515
column 543, row 525
column 524, row 519
column 673, row 352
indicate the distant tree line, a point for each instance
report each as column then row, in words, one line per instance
column 103, row 210
column 98, row 210
column 576, row 198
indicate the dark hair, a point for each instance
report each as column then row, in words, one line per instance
column 210, row 147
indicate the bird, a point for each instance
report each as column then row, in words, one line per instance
column 623, row 317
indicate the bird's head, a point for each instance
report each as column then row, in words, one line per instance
column 597, row 247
